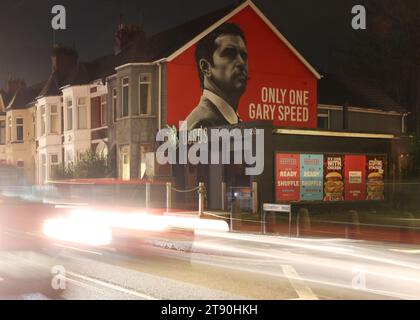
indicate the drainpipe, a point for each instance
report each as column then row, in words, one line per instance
column 160, row 96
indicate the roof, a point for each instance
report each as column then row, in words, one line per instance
column 51, row 87
column 335, row 89
column 170, row 43
column 165, row 43
column 24, row 97
column 102, row 67
column 4, row 101
column 236, row 10
column 79, row 75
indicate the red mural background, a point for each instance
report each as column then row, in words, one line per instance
column 281, row 88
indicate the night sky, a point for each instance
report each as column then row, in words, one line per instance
column 26, row 36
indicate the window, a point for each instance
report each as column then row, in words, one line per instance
column 95, row 112
column 144, row 150
column 2, row 132
column 69, row 156
column 70, row 114
column 114, row 104
column 54, row 125
column 34, row 123
column 53, row 162
column 54, row 158
column 124, row 161
column 82, row 113
column 145, row 93
column 324, row 119
column 43, row 121
column 103, row 110
column 9, row 129
column 43, row 168
column 19, row 129
column 125, row 86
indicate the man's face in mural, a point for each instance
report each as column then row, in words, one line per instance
column 229, row 70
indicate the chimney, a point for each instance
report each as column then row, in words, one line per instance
column 14, row 85
column 64, row 59
column 127, row 34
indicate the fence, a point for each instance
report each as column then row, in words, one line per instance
column 141, row 194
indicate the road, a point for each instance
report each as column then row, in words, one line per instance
column 225, row 266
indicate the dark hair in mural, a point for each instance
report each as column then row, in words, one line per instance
column 206, row 46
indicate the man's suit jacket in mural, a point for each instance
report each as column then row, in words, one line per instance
column 212, row 111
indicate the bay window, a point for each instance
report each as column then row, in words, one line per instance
column 114, row 104
column 103, row 111
column 145, row 94
column 54, row 125
column 19, row 129
column 82, row 113
column 69, row 114
column 43, row 121
column 2, row 132
column 125, row 95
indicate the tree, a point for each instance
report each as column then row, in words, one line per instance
column 62, row 172
column 388, row 51
column 89, row 165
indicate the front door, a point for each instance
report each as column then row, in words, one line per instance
column 125, row 162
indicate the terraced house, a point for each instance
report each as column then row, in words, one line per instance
column 71, row 110
column 19, row 142
column 3, row 101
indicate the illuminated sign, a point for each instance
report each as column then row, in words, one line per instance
column 329, row 177
column 311, row 175
column 287, row 177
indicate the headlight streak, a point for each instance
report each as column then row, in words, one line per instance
column 302, row 259
column 292, row 243
column 93, row 227
column 78, row 232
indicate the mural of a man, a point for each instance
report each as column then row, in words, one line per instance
column 222, row 62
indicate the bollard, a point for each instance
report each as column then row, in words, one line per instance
column 147, row 195
column 407, row 231
column 235, row 215
column 303, row 214
column 224, row 197
column 201, row 197
column 254, row 197
column 355, row 222
column 168, row 196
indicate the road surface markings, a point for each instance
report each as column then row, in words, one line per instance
column 301, row 288
column 77, row 249
column 406, row 251
column 112, row 286
column 327, row 249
